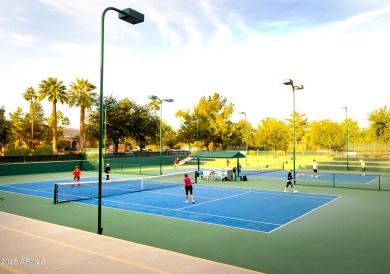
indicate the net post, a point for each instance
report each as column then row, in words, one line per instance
column 55, row 193
column 334, row 180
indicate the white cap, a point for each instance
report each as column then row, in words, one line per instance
column 109, row 164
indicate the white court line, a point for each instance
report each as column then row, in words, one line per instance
column 305, row 214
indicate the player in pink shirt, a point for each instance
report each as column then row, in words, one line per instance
column 187, row 187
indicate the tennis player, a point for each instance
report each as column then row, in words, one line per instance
column 289, row 183
column 107, row 170
column 315, row 169
column 363, row 166
column 187, row 187
column 76, row 175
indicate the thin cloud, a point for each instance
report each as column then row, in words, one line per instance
column 17, row 39
column 74, row 48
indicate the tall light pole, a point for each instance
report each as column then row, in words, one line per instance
column 291, row 83
column 346, row 131
column 197, row 132
column 111, row 105
column 132, row 17
column 246, row 139
column 153, row 97
column 197, row 128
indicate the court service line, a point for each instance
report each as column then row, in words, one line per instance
column 40, row 190
column 85, row 250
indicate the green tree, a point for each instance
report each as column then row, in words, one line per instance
column 142, row 126
column 41, row 128
column 301, row 125
column 169, row 135
column 82, row 95
column 54, row 91
column 20, row 128
column 214, row 114
column 21, row 151
column 272, row 133
column 179, row 114
column 245, row 131
column 189, row 129
column 326, row 134
column 355, row 134
column 31, row 96
column 380, row 125
column 237, row 139
column 126, row 120
column 5, row 129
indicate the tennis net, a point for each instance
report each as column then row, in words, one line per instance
column 125, row 168
column 66, row 192
column 265, row 168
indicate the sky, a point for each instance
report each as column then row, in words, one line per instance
column 187, row 49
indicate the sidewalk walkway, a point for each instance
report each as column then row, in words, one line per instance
column 32, row 246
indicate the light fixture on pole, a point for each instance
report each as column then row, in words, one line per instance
column 291, row 83
column 346, row 132
column 246, row 139
column 153, row 97
column 132, row 17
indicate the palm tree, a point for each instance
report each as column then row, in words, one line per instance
column 54, row 91
column 154, row 106
column 82, row 95
column 31, row 96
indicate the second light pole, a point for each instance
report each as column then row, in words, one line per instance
column 346, row 131
column 111, row 105
column 197, row 130
column 291, row 83
column 153, row 97
column 246, row 140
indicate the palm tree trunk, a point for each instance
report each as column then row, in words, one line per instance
column 32, row 126
column 54, row 117
column 82, row 134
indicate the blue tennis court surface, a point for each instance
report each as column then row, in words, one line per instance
column 339, row 177
column 353, row 178
column 249, row 209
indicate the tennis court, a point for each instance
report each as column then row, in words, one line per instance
column 305, row 175
column 328, row 179
column 346, row 235
column 241, row 208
